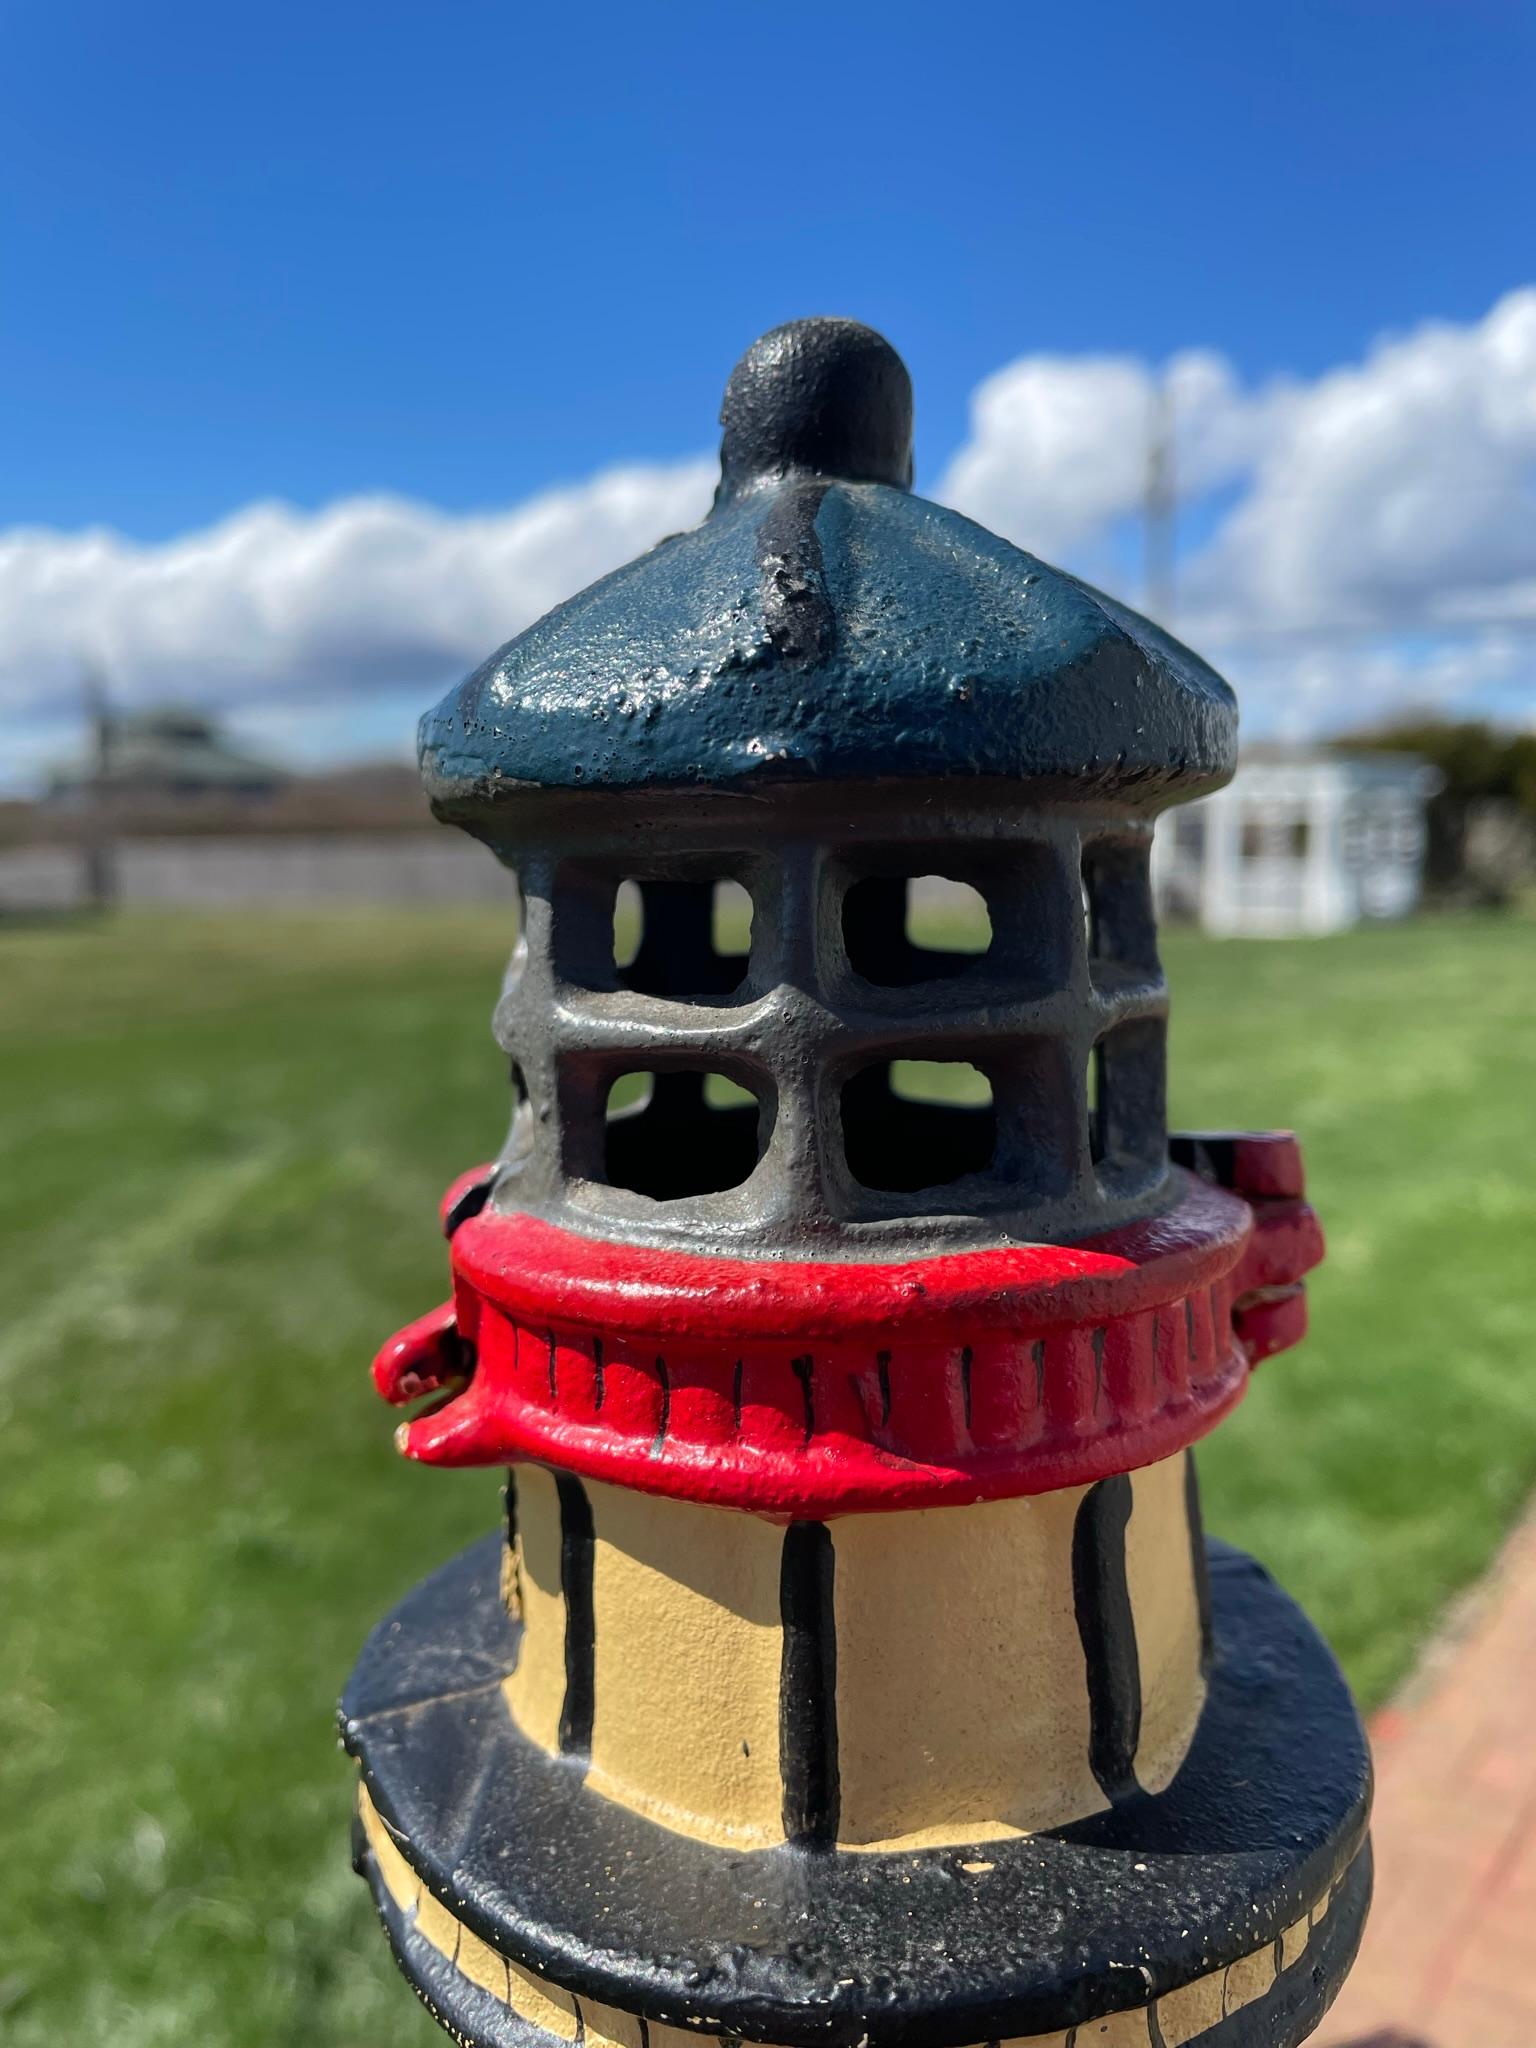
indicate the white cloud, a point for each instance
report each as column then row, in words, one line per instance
column 274, row 602
column 1294, row 690
column 1366, row 541
column 1058, row 444
column 1397, row 493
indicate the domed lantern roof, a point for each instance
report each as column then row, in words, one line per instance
column 825, row 623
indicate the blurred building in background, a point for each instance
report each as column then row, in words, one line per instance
column 167, row 755
column 160, row 808
column 1300, row 841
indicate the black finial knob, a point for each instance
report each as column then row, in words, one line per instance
column 820, row 397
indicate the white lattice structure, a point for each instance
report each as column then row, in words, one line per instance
column 1298, row 842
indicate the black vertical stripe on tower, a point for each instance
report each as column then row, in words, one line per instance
column 576, row 1590
column 1107, row 1630
column 808, row 1687
column 1199, row 1562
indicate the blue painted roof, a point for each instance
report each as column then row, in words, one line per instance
column 814, row 626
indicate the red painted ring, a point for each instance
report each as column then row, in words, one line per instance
column 816, row 1388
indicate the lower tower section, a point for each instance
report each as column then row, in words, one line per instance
column 920, row 1679
column 852, row 1667
column 853, row 1672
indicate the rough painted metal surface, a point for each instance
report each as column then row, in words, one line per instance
column 843, row 1387
column 1067, row 997
column 852, row 1667
column 823, row 622
column 802, row 1947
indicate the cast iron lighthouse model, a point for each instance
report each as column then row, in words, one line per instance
column 851, row 1668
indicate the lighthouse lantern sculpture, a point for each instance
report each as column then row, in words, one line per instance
column 851, row 1667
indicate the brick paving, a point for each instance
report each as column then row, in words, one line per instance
column 1449, row 1959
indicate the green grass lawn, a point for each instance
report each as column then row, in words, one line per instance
column 223, row 1143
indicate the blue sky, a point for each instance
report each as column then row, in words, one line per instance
column 464, row 252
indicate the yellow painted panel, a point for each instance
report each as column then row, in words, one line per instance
column 437, row 1925
column 962, row 1703
column 678, row 2037
column 1293, row 1942
column 481, row 1964
column 1187, row 2013
column 1116, row 2030
column 1320, row 1907
column 687, row 1648
column 607, row 2027
column 1164, row 1602
column 541, row 2003
column 536, row 1689
column 400, row 1881
column 1250, row 1977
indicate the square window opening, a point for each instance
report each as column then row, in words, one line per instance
column 681, row 939
column 899, row 930
column 948, row 917
column 909, row 1125
column 677, row 1133
column 1117, row 902
column 1000, row 913
column 1127, row 1107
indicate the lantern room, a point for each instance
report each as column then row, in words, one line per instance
column 828, row 704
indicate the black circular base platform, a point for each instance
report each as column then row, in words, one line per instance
column 1046, row 1932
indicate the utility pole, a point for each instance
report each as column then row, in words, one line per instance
column 1159, row 508
column 100, row 849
